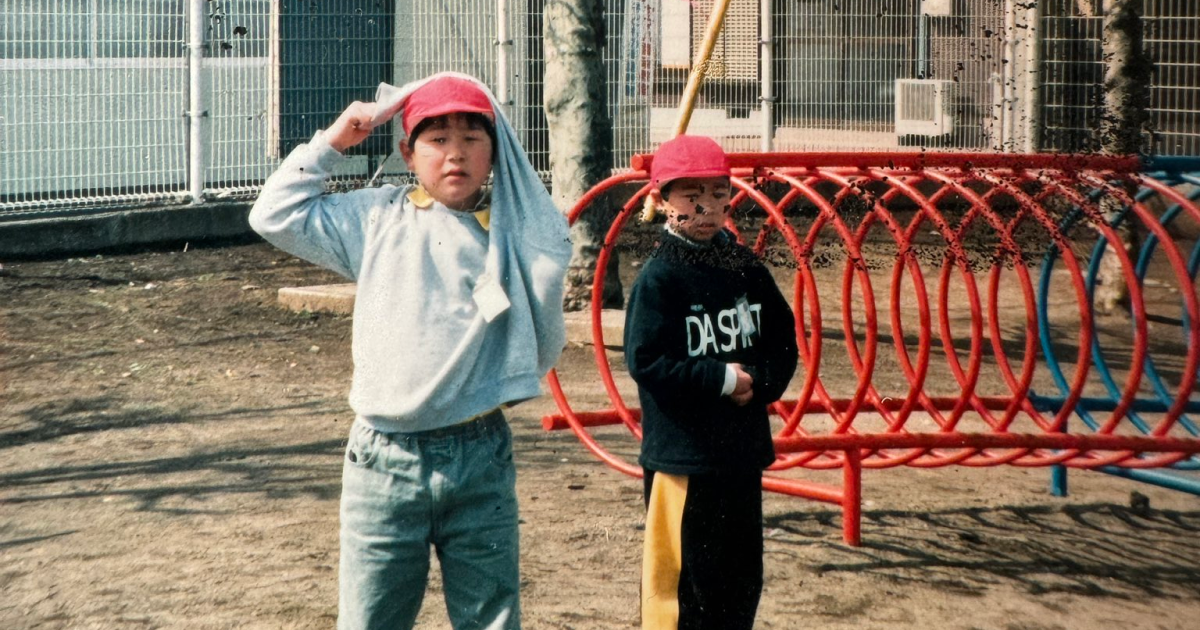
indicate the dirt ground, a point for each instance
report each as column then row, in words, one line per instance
column 170, row 455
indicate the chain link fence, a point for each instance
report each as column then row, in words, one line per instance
column 109, row 103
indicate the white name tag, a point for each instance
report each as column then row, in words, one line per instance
column 745, row 317
column 490, row 297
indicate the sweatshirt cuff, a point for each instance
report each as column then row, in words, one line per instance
column 730, row 380
column 322, row 153
column 320, row 142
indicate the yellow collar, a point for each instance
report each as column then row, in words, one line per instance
column 420, row 197
column 484, row 217
column 423, row 200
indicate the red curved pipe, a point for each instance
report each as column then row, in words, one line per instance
column 871, row 426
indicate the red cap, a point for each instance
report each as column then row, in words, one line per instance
column 688, row 156
column 445, row 95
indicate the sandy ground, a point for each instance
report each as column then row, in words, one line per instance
column 170, row 447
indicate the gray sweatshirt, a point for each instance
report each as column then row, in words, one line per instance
column 450, row 319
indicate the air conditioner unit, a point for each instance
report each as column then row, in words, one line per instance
column 924, row 107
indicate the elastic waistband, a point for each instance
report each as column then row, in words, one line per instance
column 475, row 425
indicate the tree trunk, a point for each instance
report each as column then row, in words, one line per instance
column 580, row 137
column 1122, row 125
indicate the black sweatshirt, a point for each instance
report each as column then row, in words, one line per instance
column 683, row 325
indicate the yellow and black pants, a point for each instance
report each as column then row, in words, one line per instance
column 702, row 565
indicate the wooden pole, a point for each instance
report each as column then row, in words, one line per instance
column 700, row 65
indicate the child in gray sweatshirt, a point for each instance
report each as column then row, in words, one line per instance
column 458, row 314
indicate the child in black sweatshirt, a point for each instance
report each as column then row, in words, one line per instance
column 710, row 342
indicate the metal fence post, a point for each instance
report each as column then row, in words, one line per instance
column 1033, row 62
column 503, row 46
column 196, row 100
column 767, row 61
column 1008, row 80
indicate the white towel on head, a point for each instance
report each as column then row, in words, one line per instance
column 528, row 238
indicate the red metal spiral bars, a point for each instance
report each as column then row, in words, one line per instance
column 948, row 246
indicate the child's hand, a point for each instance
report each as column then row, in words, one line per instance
column 352, row 127
column 743, row 390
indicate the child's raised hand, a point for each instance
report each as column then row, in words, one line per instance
column 743, row 390
column 352, row 127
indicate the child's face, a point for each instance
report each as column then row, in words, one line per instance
column 696, row 207
column 451, row 159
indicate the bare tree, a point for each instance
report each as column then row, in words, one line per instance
column 1127, row 70
column 580, row 136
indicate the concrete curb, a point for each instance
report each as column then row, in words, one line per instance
column 327, row 298
column 61, row 236
column 339, row 299
column 579, row 327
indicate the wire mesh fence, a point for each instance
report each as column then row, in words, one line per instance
column 91, row 98
column 102, row 102
column 1173, row 37
column 240, row 94
column 1072, row 44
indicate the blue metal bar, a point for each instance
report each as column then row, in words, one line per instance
column 1058, row 480
column 1150, row 370
column 1143, row 405
column 1182, row 483
column 1098, row 359
column 1171, row 164
column 1058, row 473
column 1043, row 314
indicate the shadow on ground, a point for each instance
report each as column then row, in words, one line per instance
column 1094, row 549
column 139, row 468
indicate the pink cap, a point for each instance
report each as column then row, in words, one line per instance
column 445, row 95
column 688, row 156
